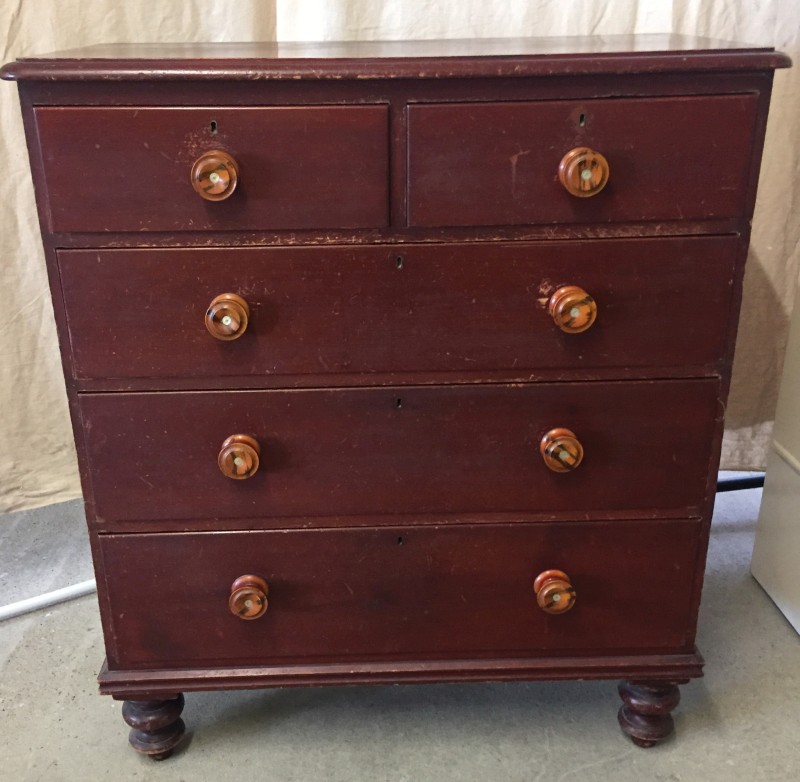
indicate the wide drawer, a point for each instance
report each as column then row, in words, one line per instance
column 411, row 450
column 128, row 169
column 676, row 158
column 411, row 309
column 399, row 592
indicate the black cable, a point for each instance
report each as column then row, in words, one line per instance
column 735, row 484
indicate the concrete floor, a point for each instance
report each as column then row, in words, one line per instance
column 741, row 722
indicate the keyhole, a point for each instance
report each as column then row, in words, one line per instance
column 398, row 403
column 213, row 127
column 582, row 120
column 398, row 261
column 400, row 541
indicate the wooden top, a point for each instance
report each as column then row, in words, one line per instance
column 396, row 59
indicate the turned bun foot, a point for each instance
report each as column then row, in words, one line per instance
column 156, row 726
column 645, row 712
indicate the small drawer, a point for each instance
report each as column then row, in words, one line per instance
column 315, row 454
column 398, row 593
column 339, row 311
column 132, row 169
column 678, row 158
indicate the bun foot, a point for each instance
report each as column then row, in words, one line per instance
column 645, row 712
column 156, row 726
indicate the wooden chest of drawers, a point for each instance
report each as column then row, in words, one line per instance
column 414, row 354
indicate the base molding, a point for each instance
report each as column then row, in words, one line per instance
column 125, row 684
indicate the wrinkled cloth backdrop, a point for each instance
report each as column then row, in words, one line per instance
column 37, row 459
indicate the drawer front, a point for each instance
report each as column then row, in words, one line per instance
column 498, row 163
column 414, row 450
column 399, row 592
column 128, row 169
column 416, row 308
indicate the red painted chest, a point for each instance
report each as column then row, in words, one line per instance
column 397, row 362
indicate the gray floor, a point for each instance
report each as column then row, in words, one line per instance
column 741, row 722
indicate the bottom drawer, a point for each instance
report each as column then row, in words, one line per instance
column 424, row 592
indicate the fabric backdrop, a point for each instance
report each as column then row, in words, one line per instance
column 37, row 460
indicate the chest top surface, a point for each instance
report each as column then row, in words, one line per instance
column 490, row 57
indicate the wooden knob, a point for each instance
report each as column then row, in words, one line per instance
column 238, row 457
column 561, row 450
column 572, row 309
column 554, row 592
column 248, row 598
column 227, row 317
column 215, row 175
column 583, row 172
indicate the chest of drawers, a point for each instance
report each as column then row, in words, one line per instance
column 397, row 362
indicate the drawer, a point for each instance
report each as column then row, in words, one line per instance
column 129, row 169
column 411, row 309
column 398, row 592
column 677, row 158
column 412, row 450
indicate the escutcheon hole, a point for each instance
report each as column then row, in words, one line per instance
column 213, row 127
column 582, row 120
column 398, row 261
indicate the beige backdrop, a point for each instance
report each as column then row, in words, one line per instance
column 37, row 460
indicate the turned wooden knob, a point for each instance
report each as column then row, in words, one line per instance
column 554, row 592
column 248, row 598
column 572, row 309
column 238, row 457
column 583, row 172
column 215, row 175
column 561, row 450
column 227, row 317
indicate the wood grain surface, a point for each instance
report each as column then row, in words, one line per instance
column 413, row 450
column 429, row 592
column 516, row 57
column 128, row 169
column 446, row 309
column 396, row 230
column 669, row 158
